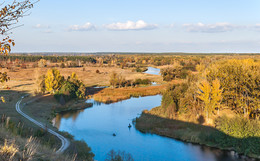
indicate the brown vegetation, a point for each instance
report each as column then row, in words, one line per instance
column 109, row 95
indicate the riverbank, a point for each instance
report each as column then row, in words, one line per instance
column 43, row 108
column 198, row 134
column 20, row 129
column 110, row 95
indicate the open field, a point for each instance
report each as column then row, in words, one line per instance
column 26, row 77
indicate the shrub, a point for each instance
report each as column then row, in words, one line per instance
column 142, row 81
column 239, row 127
column 62, row 65
column 8, row 151
column 169, row 74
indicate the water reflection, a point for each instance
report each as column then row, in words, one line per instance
column 72, row 114
column 152, row 70
column 97, row 125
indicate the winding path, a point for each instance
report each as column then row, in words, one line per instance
column 64, row 142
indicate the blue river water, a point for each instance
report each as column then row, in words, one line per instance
column 97, row 124
column 154, row 71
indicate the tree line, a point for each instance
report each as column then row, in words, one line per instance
column 231, row 83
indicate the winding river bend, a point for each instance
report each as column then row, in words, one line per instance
column 97, row 125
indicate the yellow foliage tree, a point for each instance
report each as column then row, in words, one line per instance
column 216, row 94
column 74, row 76
column 74, row 79
column 53, row 80
column 240, row 81
column 2, row 99
column 204, row 95
column 210, row 95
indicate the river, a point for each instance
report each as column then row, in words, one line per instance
column 154, row 71
column 96, row 126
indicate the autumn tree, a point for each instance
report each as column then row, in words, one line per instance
column 113, row 79
column 73, row 78
column 53, row 80
column 210, row 95
column 240, row 81
column 117, row 80
column 10, row 15
column 3, row 78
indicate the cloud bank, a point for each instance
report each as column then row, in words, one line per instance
column 130, row 25
column 86, row 27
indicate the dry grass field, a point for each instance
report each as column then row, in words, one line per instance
column 88, row 75
column 22, row 82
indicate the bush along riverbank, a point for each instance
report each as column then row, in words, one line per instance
column 235, row 134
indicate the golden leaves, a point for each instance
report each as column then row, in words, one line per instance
column 2, row 99
column 5, row 45
column 210, row 94
column 53, row 80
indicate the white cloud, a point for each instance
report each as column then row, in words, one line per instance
column 130, row 25
column 86, row 27
column 210, row 28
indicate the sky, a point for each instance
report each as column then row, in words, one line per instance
column 209, row 26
